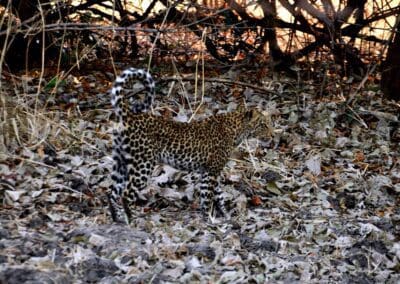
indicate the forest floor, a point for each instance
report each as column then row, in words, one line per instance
column 317, row 203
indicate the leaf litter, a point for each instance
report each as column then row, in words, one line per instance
column 317, row 202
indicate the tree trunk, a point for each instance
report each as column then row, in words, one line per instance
column 390, row 82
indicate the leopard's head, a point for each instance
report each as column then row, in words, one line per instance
column 256, row 124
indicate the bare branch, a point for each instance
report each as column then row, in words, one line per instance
column 310, row 9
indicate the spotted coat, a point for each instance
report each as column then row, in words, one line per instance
column 141, row 140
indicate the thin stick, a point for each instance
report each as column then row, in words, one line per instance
column 219, row 80
column 157, row 37
column 29, row 161
column 202, row 79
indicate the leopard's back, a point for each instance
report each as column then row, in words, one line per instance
column 196, row 146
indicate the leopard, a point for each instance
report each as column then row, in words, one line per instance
column 142, row 140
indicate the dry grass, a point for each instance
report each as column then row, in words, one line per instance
column 28, row 123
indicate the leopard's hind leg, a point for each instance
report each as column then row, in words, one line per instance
column 139, row 169
column 119, row 180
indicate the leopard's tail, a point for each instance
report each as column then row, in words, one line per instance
column 122, row 92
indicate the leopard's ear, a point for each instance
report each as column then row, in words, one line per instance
column 251, row 114
column 241, row 106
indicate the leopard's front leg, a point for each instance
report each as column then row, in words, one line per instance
column 210, row 190
column 219, row 198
